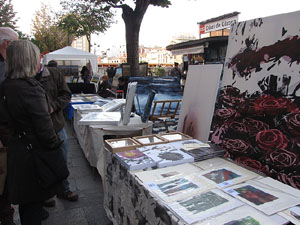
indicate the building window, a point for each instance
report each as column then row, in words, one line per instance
column 226, row 32
column 216, row 33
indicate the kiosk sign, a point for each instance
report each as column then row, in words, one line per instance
column 217, row 25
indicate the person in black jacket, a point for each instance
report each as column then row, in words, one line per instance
column 29, row 111
column 59, row 97
column 86, row 75
column 6, row 36
column 104, row 87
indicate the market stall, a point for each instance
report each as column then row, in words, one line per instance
column 210, row 191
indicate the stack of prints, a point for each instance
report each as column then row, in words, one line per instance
column 100, row 118
column 166, row 155
column 135, row 160
column 199, row 150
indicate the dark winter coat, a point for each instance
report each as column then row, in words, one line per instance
column 102, row 89
column 28, row 107
column 58, row 92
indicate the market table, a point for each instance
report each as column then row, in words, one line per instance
column 126, row 201
column 91, row 137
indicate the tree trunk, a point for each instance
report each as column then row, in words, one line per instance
column 132, row 47
column 88, row 37
column 133, row 21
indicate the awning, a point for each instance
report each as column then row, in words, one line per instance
column 185, row 51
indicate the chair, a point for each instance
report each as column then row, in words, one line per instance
column 165, row 112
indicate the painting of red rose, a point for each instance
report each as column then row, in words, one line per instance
column 257, row 117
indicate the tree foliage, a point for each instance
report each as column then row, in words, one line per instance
column 83, row 18
column 133, row 18
column 7, row 14
column 48, row 35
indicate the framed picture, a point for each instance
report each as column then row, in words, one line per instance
column 121, row 145
column 175, row 136
column 149, row 140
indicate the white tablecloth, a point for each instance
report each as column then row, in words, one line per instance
column 91, row 137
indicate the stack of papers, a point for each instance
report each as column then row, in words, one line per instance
column 85, row 108
column 135, row 160
column 199, row 150
column 166, row 155
column 100, row 118
column 113, row 105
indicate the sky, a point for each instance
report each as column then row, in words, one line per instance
column 161, row 24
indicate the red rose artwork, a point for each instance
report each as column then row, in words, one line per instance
column 260, row 131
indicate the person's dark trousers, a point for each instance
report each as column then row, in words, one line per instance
column 6, row 211
column 31, row 213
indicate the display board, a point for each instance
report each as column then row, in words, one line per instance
column 199, row 100
column 257, row 118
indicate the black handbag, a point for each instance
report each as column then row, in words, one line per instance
column 51, row 167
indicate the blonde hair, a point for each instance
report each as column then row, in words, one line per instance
column 22, row 59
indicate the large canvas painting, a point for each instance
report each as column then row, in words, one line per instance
column 199, row 96
column 257, row 117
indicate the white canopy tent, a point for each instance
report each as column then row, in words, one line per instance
column 69, row 53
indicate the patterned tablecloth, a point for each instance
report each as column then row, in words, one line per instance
column 127, row 201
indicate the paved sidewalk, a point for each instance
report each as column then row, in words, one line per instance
column 88, row 210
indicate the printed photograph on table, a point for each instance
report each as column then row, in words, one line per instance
column 188, row 145
column 166, row 155
column 211, row 163
column 242, row 215
column 228, row 175
column 244, row 221
column 135, row 160
column 173, row 189
column 221, row 175
column 267, row 199
column 254, row 195
column 292, row 214
column 257, row 117
column 204, row 205
column 167, row 172
column 197, row 149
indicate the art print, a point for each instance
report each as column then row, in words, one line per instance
column 135, row 160
column 221, row 175
column 202, row 202
column 254, row 195
column 257, row 116
column 170, row 174
column 248, row 220
column 204, row 205
column 242, row 215
column 159, row 175
column 268, row 199
column 188, row 144
column 226, row 175
column 177, row 186
column 131, row 154
column 166, row 155
column 292, row 214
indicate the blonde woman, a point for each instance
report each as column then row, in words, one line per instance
column 27, row 105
